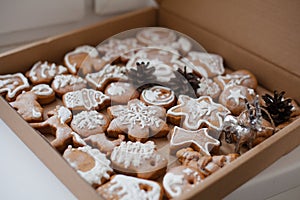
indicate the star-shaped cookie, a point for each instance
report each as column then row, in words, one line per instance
column 199, row 140
column 193, row 114
column 138, row 121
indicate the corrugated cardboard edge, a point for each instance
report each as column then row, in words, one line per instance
column 281, row 79
column 61, row 44
column 29, row 54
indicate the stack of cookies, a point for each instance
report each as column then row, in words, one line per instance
column 146, row 117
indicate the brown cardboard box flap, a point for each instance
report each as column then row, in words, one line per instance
column 269, row 29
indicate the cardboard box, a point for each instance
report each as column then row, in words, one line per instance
column 247, row 34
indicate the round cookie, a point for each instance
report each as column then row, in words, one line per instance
column 121, row 92
column 207, row 87
column 156, row 36
column 67, row 83
column 240, row 77
column 180, row 180
column 88, row 123
column 233, row 97
column 90, row 164
column 141, row 160
column 158, row 96
column 44, row 93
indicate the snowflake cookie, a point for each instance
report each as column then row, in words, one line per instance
column 138, row 159
column 127, row 187
column 88, row 123
column 90, row 164
column 137, row 120
column 193, row 114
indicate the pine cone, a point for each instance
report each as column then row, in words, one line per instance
column 142, row 76
column 280, row 109
column 181, row 85
column 204, row 164
column 192, row 79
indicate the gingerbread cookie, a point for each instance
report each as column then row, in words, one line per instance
column 121, row 92
column 207, row 87
column 27, row 106
column 67, row 83
column 156, row 36
column 181, row 179
column 137, row 120
column 233, row 97
column 103, row 143
column 109, row 73
column 138, row 159
column 158, row 96
column 200, row 140
column 58, row 124
column 88, row 123
column 206, row 64
column 193, row 114
column 239, row 77
column 206, row 165
column 84, row 59
column 85, row 99
column 127, row 187
column 44, row 93
column 44, row 72
column 183, row 45
column 90, row 164
column 12, row 85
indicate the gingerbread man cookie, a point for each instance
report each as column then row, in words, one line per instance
column 200, row 140
column 181, row 179
column 103, row 143
column 84, row 59
column 138, row 159
column 127, row 187
column 44, row 72
column 57, row 123
column 109, row 73
column 193, row 114
column 27, row 106
column 158, row 96
column 85, row 99
column 12, row 85
column 206, row 64
column 121, row 92
column 137, row 120
column 44, row 93
column 67, row 83
column 90, row 164
column 88, row 123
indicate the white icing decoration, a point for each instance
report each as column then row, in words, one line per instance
column 36, row 114
column 198, row 111
column 208, row 87
column 42, row 90
column 200, row 138
column 61, row 81
column 139, row 114
column 128, row 188
column 7, row 80
column 236, row 95
column 98, row 79
column 163, row 72
column 63, row 114
column 46, row 70
column 134, row 153
column 87, row 98
column 91, row 51
column 154, row 96
column 156, row 35
column 173, row 184
column 78, row 139
column 89, row 119
column 232, row 79
column 99, row 171
column 116, row 90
